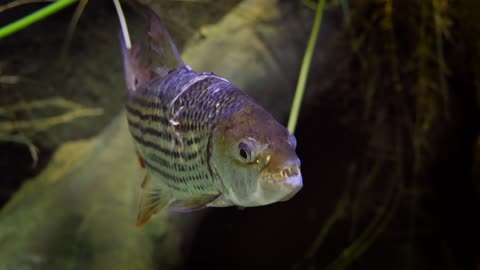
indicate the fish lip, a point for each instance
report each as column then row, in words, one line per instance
column 276, row 187
column 285, row 184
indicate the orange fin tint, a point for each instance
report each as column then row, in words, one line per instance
column 136, row 65
column 152, row 201
column 140, row 160
column 193, row 204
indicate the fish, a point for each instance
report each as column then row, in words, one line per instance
column 201, row 140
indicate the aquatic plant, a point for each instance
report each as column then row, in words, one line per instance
column 403, row 94
column 34, row 17
column 307, row 60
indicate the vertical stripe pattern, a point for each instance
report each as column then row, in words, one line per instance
column 171, row 120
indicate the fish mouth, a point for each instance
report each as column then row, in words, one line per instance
column 283, row 176
column 284, row 184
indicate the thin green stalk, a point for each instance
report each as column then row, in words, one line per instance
column 17, row 3
column 34, row 17
column 307, row 60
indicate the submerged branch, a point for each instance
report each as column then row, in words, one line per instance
column 72, row 27
column 338, row 214
column 373, row 230
column 20, row 131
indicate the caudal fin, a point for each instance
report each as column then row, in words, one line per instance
column 141, row 62
column 136, row 66
column 158, row 33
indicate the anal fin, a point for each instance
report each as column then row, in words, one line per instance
column 152, row 201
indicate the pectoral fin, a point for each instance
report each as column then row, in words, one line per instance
column 193, row 204
column 221, row 201
column 152, row 201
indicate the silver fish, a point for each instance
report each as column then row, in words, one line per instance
column 202, row 141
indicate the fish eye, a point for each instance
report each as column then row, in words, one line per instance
column 245, row 152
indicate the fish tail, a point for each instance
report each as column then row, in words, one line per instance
column 141, row 62
column 135, row 71
column 157, row 30
column 135, row 66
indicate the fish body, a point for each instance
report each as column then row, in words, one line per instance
column 202, row 141
column 171, row 120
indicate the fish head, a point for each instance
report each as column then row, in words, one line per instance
column 255, row 158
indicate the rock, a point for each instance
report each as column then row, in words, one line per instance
column 79, row 213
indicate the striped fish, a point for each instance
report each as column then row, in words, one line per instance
column 202, row 141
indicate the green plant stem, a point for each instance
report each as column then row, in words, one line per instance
column 307, row 60
column 34, row 17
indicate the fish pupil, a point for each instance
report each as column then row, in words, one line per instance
column 243, row 153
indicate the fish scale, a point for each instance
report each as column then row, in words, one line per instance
column 171, row 119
